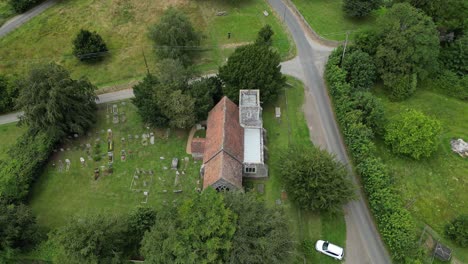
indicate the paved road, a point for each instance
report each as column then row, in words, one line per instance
column 363, row 244
column 20, row 19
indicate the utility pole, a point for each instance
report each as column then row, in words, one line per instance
column 146, row 63
column 344, row 49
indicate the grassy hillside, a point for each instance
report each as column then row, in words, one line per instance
column 124, row 24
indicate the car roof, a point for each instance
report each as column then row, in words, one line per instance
column 335, row 249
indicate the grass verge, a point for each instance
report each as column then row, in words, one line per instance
column 292, row 128
column 327, row 18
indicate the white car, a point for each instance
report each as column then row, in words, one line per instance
column 329, row 249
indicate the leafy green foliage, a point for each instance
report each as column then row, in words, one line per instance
column 18, row 227
column 454, row 55
column 174, row 36
column 146, row 100
column 206, row 92
column 94, row 239
column 24, row 164
column 55, row 103
column 449, row 15
column 252, row 67
column 140, row 220
column 408, row 48
column 314, row 179
column 414, row 134
column 8, row 93
column 261, row 235
column 22, row 5
column 89, row 46
column 197, row 231
column 264, row 36
column 358, row 115
column 360, row 8
column 449, row 83
column 361, row 70
column 457, row 230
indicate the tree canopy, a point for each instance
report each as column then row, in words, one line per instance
column 253, row 67
column 89, row 46
column 360, row 8
column 360, row 68
column 198, row 231
column 93, row 239
column 412, row 133
column 262, row 234
column 264, row 36
column 457, row 230
column 314, row 179
column 174, row 36
column 8, row 93
column 18, row 227
column 407, row 50
column 55, row 103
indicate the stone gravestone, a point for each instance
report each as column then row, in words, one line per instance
column 82, row 161
column 115, row 109
column 115, row 118
column 111, row 156
column 109, row 134
column 67, row 164
column 96, row 173
column 123, row 118
column 175, row 163
column 151, row 138
column 123, row 155
column 186, row 160
column 60, row 166
column 176, row 180
column 144, row 140
column 124, row 143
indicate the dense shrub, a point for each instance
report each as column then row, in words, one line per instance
column 457, row 230
column 8, row 93
column 412, row 133
column 451, row 84
column 360, row 8
column 89, row 46
column 361, row 70
column 22, row 5
column 360, row 116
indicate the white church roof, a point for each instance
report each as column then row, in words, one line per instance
column 253, row 145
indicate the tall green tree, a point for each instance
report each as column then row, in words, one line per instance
column 89, row 46
column 93, row 239
column 262, row 234
column 146, row 100
column 7, row 95
column 314, row 179
column 360, row 8
column 361, row 70
column 174, row 36
column 413, row 134
column 206, row 92
column 140, row 220
column 18, row 228
column 253, row 67
column 264, row 36
column 21, row 6
column 55, row 103
column 408, row 48
column 198, row 231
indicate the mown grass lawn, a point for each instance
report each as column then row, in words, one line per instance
column 327, row 18
column 8, row 135
column 434, row 189
column 58, row 195
column 124, row 24
column 293, row 128
column 6, row 12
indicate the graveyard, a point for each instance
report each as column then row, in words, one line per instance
column 120, row 164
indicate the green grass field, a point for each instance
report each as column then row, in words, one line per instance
column 9, row 133
column 6, row 12
column 327, row 18
column 124, row 24
column 433, row 189
column 59, row 195
column 293, row 129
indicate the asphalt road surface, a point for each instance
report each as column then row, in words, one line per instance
column 363, row 243
column 20, row 19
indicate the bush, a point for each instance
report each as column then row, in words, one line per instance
column 7, row 95
column 360, row 8
column 360, row 116
column 451, row 84
column 361, row 70
column 457, row 230
column 22, row 5
column 414, row 134
column 89, row 46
